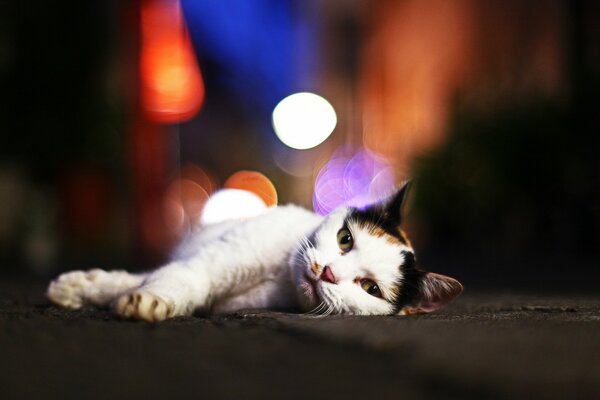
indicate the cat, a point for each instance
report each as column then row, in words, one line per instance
column 352, row 261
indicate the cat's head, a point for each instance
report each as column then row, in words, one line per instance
column 360, row 262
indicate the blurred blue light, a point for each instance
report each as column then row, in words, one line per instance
column 264, row 49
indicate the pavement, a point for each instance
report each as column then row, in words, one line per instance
column 486, row 345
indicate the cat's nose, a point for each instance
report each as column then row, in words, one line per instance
column 327, row 275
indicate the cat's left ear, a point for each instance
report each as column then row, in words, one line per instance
column 435, row 291
column 394, row 206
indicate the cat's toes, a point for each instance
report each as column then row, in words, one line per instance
column 143, row 305
column 68, row 289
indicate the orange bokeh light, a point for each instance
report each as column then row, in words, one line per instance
column 171, row 83
column 254, row 182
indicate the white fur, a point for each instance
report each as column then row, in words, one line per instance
column 259, row 262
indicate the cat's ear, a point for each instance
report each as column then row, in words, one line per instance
column 394, row 205
column 435, row 291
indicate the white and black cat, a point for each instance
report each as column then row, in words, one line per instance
column 353, row 261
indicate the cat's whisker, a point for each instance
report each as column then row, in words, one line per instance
column 309, row 245
column 329, row 310
column 329, row 305
column 303, row 242
column 322, row 311
column 317, row 309
column 298, row 257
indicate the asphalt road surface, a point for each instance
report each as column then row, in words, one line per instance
column 483, row 346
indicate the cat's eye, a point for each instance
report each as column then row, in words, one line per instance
column 370, row 287
column 344, row 239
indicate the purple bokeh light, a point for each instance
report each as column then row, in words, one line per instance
column 354, row 179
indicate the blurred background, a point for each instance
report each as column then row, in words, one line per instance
column 118, row 119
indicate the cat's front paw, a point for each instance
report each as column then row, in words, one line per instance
column 144, row 305
column 69, row 289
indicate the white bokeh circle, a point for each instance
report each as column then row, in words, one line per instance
column 304, row 120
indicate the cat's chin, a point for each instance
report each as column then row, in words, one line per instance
column 309, row 293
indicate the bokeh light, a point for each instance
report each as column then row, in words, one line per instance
column 256, row 183
column 183, row 204
column 184, row 200
column 354, row 179
column 304, row 120
column 228, row 204
column 201, row 176
column 171, row 84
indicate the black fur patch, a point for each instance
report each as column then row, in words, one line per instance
column 386, row 214
column 409, row 285
column 377, row 217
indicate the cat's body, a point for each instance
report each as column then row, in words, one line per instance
column 351, row 261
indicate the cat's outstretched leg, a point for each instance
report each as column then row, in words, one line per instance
column 96, row 287
column 173, row 290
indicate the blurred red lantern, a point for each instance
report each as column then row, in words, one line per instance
column 172, row 90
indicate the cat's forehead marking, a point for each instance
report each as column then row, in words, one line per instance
column 376, row 222
column 378, row 231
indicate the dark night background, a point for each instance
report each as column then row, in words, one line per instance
column 503, row 147
column 489, row 106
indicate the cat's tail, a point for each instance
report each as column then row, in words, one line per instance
column 96, row 287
